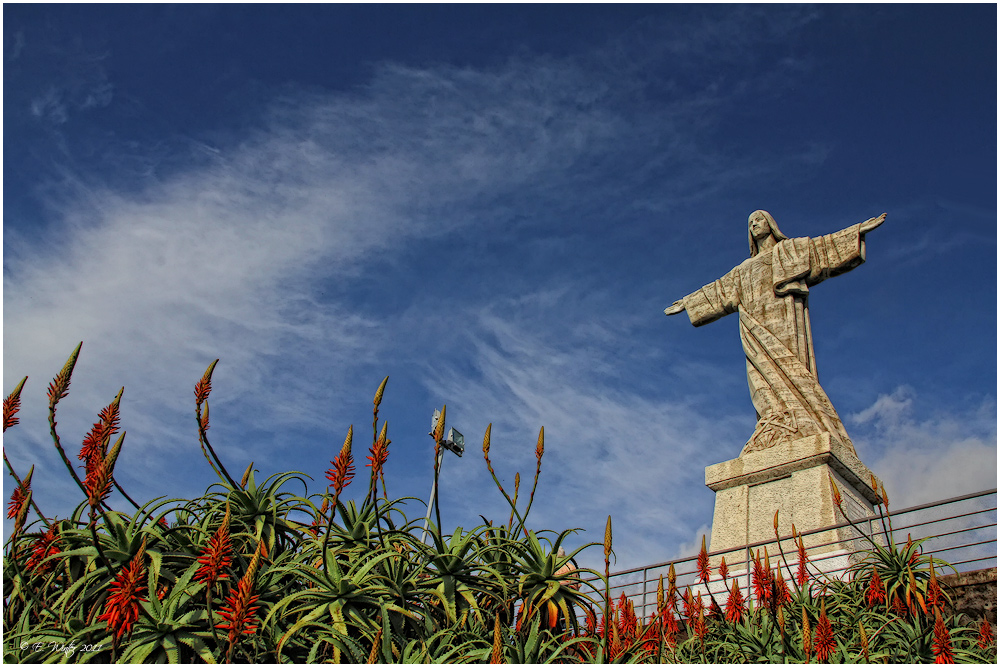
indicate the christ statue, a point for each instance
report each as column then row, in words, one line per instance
column 770, row 292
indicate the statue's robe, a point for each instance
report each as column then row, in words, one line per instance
column 770, row 291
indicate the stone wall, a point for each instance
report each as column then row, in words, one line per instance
column 973, row 593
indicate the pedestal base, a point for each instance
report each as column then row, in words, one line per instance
column 792, row 479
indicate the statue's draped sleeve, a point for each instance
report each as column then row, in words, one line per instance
column 802, row 262
column 714, row 300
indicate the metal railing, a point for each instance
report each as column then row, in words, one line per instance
column 960, row 530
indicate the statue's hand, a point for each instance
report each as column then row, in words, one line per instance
column 674, row 308
column 872, row 223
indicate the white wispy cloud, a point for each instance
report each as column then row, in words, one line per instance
column 930, row 454
column 308, row 249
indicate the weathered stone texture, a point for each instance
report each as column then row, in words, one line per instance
column 973, row 594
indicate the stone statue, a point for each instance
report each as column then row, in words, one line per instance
column 770, row 292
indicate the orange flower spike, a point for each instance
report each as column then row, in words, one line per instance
column 342, row 471
column 204, row 386
column 782, row 594
column 12, row 404
column 704, row 571
column 59, row 387
column 802, row 574
column 42, row 549
column 864, row 641
column 20, row 495
column 379, row 452
column 439, row 428
column 761, row 589
column 943, row 654
column 876, row 590
column 825, row 644
column 239, row 611
column 496, row 655
column 607, row 541
column 734, row 605
column 22, row 513
column 121, row 610
column 837, row 500
column 540, row 447
column 217, row 555
column 986, row 638
column 246, row 475
column 935, row 597
column 806, row 635
column 723, row 569
column 378, row 393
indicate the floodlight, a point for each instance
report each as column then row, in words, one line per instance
column 455, row 442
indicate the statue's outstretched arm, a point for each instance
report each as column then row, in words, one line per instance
column 674, row 308
column 871, row 223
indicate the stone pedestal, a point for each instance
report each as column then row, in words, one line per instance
column 793, row 478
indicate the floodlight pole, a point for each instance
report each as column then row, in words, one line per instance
column 430, row 502
column 455, row 442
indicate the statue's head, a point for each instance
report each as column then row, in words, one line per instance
column 760, row 225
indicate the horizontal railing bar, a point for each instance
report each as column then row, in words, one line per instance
column 942, row 519
column 947, row 501
column 643, row 586
column 956, row 532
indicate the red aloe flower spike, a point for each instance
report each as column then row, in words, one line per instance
column 942, row 642
column 714, row 610
column 935, row 598
column 121, row 610
column 95, row 446
column 540, row 447
column 342, row 471
column 704, row 571
column 204, row 386
column 734, row 605
column 12, row 404
column 238, row 612
column 985, row 634
column 699, row 623
column 723, row 569
column 22, row 514
column 899, row 606
column 825, row 644
column 42, row 549
column 802, row 574
column 20, row 495
column 875, row 593
column 217, row 555
column 761, row 587
column 781, row 593
column 379, row 453
column 98, row 484
column 59, row 387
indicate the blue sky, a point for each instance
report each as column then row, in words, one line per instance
column 492, row 205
